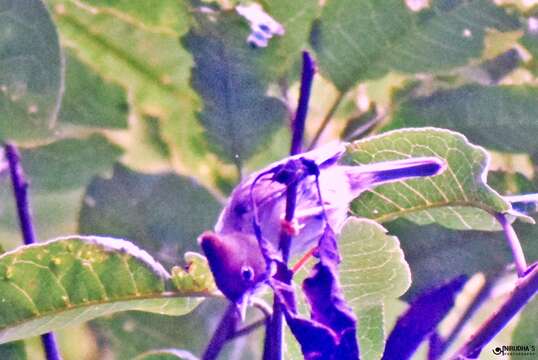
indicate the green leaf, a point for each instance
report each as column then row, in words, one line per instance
column 166, row 354
column 436, row 254
column 89, row 100
column 163, row 213
column 195, row 276
column 364, row 39
column 49, row 169
column 498, row 117
column 458, row 198
column 13, row 351
column 296, row 17
column 373, row 269
column 371, row 320
column 526, row 332
column 69, row 280
column 237, row 114
column 160, row 15
column 31, row 70
column 151, row 65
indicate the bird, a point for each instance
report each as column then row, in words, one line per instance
column 256, row 208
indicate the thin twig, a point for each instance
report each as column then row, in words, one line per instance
column 526, row 288
column 274, row 334
column 224, row 331
column 20, row 191
column 515, row 245
column 326, row 120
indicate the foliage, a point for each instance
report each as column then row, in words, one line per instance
column 135, row 120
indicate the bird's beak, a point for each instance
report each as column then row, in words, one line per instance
column 242, row 305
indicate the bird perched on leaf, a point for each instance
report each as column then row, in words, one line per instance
column 256, row 208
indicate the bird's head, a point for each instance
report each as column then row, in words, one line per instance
column 237, row 264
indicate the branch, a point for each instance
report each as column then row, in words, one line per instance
column 526, row 288
column 20, row 191
column 274, row 334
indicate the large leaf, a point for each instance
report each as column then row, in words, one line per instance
column 91, row 101
column 373, row 269
column 363, row 39
column 75, row 279
column 160, row 15
column 436, row 254
column 151, row 65
column 497, row 117
column 30, row 70
column 162, row 213
column 459, row 198
column 237, row 114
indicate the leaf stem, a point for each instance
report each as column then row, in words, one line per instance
column 526, row 287
column 274, row 333
column 515, row 245
column 326, row 120
column 20, row 191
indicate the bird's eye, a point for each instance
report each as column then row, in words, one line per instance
column 247, row 273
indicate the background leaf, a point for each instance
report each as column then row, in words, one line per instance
column 436, row 254
column 75, row 279
column 30, row 70
column 498, row 117
column 13, row 351
column 458, row 198
column 91, row 101
column 150, row 65
column 132, row 333
column 163, row 213
column 237, row 115
column 525, row 332
column 360, row 40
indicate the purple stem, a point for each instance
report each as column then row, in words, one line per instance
column 443, row 344
column 515, row 245
column 224, row 331
column 274, row 334
column 20, row 191
column 526, row 288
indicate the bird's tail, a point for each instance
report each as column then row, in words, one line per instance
column 363, row 177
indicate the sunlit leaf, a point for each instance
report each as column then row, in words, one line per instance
column 75, row 279
column 166, row 354
column 151, row 65
column 31, row 70
column 458, row 198
column 91, row 101
column 363, row 39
